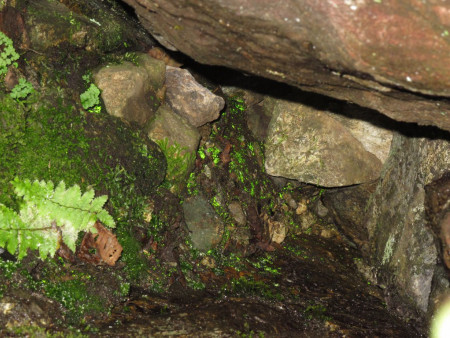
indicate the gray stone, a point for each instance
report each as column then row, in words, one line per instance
column 376, row 140
column 167, row 124
column 126, row 91
column 204, row 225
column 310, row 146
column 189, row 99
column 402, row 245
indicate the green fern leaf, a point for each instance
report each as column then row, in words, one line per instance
column 48, row 216
column 12, row 245
column 39, row 233
column 71, row 196
column 69, row 237
column 60, row 189
column 98, row 203
column 9, row 223
column 106, row 219
column 87, row 197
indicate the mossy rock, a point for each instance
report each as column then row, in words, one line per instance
column 93, row 25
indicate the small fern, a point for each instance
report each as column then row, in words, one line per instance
column 49, row 216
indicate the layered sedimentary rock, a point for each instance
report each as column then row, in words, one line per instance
column 391, row 56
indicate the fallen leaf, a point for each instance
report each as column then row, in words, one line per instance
column 225, row 154
column 101, row 247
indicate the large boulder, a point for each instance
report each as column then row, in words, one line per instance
column 311, row 146
column 377, row 54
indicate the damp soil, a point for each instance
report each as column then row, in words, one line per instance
column 317, row 293
column 307, row 286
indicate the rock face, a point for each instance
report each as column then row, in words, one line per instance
column 347, row 207
column 358, row 51
column 48, row 25
column 189, row 99
column 311, row 146
column 402, row 244
column 438, row 212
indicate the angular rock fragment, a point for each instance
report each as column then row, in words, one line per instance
column 204, row 225
column 156, row 70
column 189, row 99
column 126, row 91
column 175, row 128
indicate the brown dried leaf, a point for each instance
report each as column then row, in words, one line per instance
column 225, row 154
column 106, row 247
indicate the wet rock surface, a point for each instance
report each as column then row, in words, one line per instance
column 22, row 309
column 353, row 51
column 396, row 219
column 438, row 212
column 315, row 291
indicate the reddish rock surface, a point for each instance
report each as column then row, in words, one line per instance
column 389, row 55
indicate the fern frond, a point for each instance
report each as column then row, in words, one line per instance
column 38, row 232
column 9, row 223
column 48, row 216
